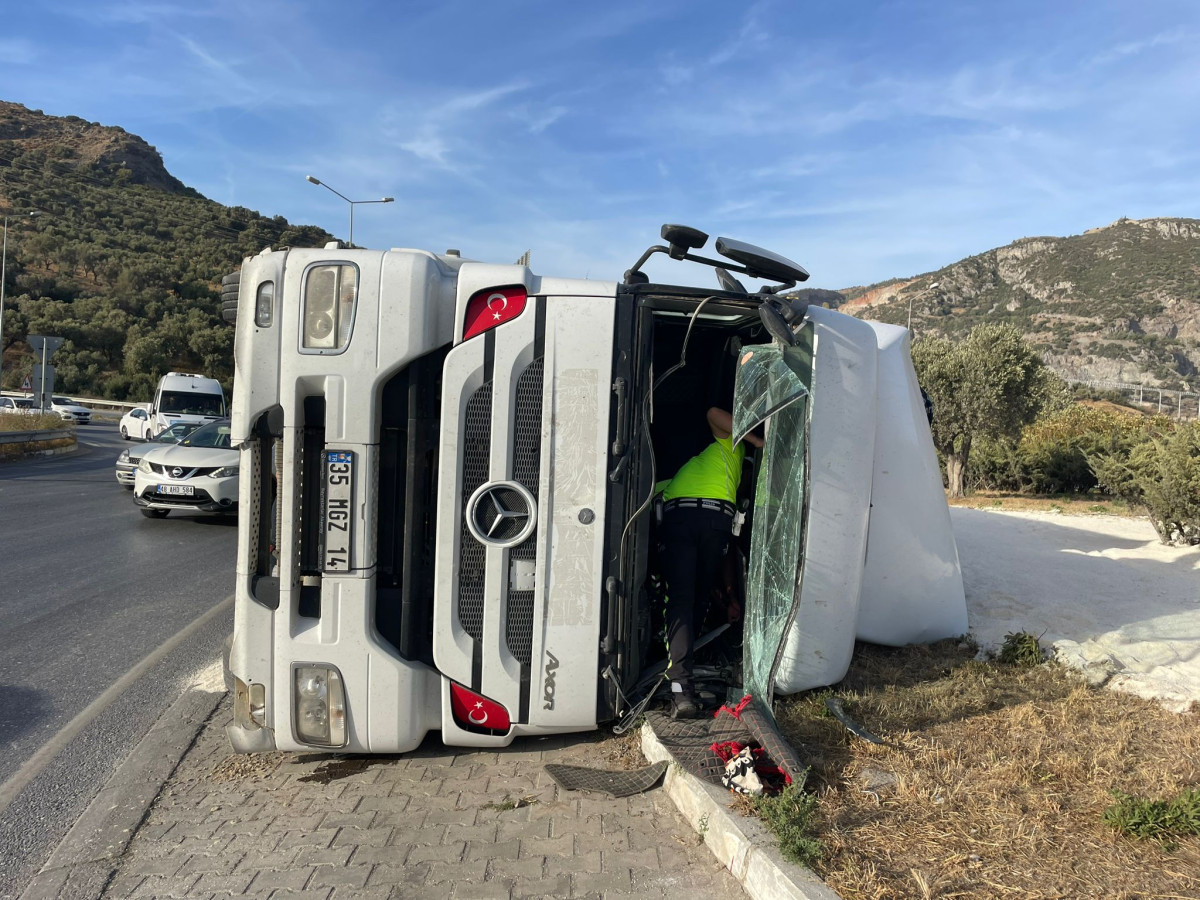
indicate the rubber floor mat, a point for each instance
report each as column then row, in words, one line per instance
column 690, row 741
column 615, row 784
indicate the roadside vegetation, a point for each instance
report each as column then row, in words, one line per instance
column 124, row 262
column 995, row 779
column 1010, row 434
column 10, row 423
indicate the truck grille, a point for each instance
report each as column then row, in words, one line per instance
column 527, row 459
column 476, row 457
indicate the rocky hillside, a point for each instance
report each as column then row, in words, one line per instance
column 1118, row 303
column 75, row 144
column 124, row 261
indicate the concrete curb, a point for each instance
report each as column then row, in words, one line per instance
column 86, row 858
column 741, row 843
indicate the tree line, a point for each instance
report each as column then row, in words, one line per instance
column 1003, row 421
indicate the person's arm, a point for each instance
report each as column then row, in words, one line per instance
column 721, row 423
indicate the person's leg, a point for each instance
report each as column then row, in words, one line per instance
column 711, row 542
column 678, row 562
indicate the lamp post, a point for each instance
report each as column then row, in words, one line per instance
column 917, row 296
column 3, row 274
column 353, row 203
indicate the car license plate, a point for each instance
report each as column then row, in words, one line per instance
column 337, row 531
column 182, row 490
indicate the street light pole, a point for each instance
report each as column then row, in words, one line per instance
column 3, row 275
column 917, row 296
column 353, row 203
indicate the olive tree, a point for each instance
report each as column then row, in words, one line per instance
column 988, row 385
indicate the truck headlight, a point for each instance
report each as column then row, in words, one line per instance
column 319, row 703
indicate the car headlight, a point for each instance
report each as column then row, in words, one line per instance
column 319, row 701
column 224, row 472
column 124, row 457
column 144, row 466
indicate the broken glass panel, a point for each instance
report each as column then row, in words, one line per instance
column 773, row 383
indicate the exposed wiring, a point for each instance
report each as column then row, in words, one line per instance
column 645, row 430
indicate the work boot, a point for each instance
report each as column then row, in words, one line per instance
column 684, row 704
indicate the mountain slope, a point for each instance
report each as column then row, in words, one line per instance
column 125, row 261
column 1118, row 303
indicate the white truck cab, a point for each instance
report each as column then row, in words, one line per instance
column 448, row 471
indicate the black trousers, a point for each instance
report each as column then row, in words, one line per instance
column 692, row 546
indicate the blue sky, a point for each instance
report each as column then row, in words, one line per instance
column 865, row 140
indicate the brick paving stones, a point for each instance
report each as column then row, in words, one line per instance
column 434, row 823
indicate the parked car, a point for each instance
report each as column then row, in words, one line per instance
column 20, row 405
column 199, row 474
column 136, row 424
column 70, row 410
column 128, row 461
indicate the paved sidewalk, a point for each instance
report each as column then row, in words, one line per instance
column 438, row 822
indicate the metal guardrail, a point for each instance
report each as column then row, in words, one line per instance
column 115, row 405
column 1174, row 403
column 32, row 437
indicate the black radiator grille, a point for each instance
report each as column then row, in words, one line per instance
column 527, row 459
column 476, row 456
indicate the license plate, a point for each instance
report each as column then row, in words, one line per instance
column 337, row 503
column 182, row 490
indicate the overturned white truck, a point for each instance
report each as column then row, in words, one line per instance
column 447, row 474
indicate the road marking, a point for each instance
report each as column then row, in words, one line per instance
column 33, row 766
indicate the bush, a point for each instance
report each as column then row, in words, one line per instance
column 1051, row 455
column 1161, row 473
column 791, row 817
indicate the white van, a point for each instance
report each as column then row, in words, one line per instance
column 182, row 397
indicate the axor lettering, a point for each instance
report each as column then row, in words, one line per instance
column 548, row 694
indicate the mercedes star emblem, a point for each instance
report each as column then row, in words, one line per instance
column 501, row 514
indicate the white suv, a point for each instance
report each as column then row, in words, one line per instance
column 199, row 474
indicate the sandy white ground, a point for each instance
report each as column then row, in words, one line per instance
column 1112, row 601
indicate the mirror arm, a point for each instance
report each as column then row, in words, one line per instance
column 657, row 248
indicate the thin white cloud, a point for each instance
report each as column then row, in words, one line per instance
column 1135, row 48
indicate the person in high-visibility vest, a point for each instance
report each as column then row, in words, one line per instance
column 699, row 505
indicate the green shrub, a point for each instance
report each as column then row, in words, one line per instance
column 1021, row 649
column 1051, row 455
column 1158, row 819
column 791, row 816
column 1161, row 473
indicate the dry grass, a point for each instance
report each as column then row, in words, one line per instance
column 994, row 781
column 1067, row 504
column 39, row 422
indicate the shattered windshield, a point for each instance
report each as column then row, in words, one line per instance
column 773, row 383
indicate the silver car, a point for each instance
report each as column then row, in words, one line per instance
column 128, row 461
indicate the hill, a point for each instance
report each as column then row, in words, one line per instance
column 124, row 261
column 1118, row 303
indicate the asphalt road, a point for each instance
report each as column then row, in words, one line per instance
column 105, row 617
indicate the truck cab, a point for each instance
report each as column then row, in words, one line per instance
column 448, row 477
